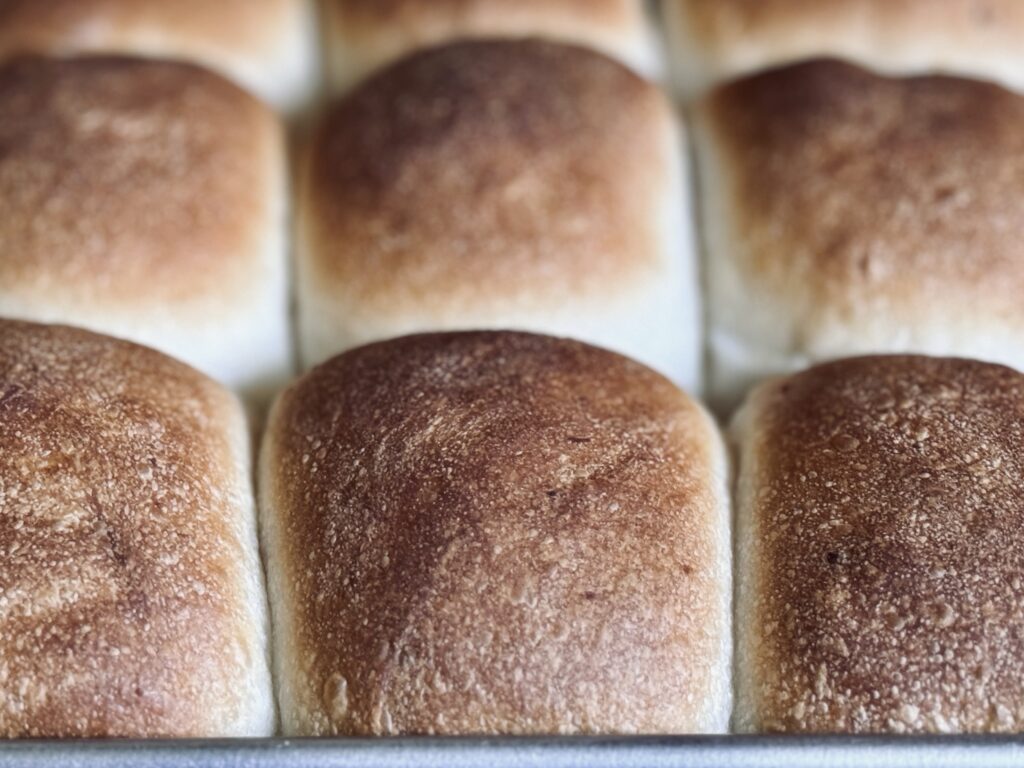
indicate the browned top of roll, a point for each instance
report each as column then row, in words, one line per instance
column 119, row 594
column 861, row 188
column 889, row 532
column 493, row 533
column 127, row 182
column 488, row 167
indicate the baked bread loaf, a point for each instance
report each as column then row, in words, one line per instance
column 880, row 549
column 131, row 595
column 364, row 35
column 267, row 46
column 495, row 533
column 146, row 200
column 715, row 40
column 847, row 213
column 500, row 184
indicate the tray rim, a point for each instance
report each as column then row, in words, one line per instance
column 761, row 751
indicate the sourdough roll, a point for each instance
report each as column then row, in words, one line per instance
column 267, row 46
column 880, row 549
column 500, row 184
column 495, row 533
column 715, row 40
column 363, row 35
column 146, row 200
column 131, row 595
column 846, row 213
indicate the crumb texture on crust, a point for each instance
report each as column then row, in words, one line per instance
column 497, row 533
column 128, row 183
column 509, row 172
column 882, row 549
column 125, row 596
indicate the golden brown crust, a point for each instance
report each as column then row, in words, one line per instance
column 512, row 171
column 885, row 559
column 123, row 601
column 849, row 196
column 495, row 533
column 128, row 183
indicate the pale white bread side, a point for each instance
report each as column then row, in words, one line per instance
column 131, row 594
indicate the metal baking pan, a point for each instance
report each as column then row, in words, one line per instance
column 554, row 752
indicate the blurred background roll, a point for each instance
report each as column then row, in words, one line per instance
column 845, row 212
column 716, row 40
column 146, row 200
column 266, row 46
column 361, row 36
column 500, row 184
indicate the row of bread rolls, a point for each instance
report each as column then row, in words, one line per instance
column 271, row 46
column 504, row 533
column 565, row 581
column 511, row 184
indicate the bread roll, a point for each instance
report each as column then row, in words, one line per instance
column 847, row 213
column 880, row 549
column 146, row 200
column 515, row 184
column 495, row 533
column 131, row 595
column 715, row 40
column 364, row 35
column 267, row 46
